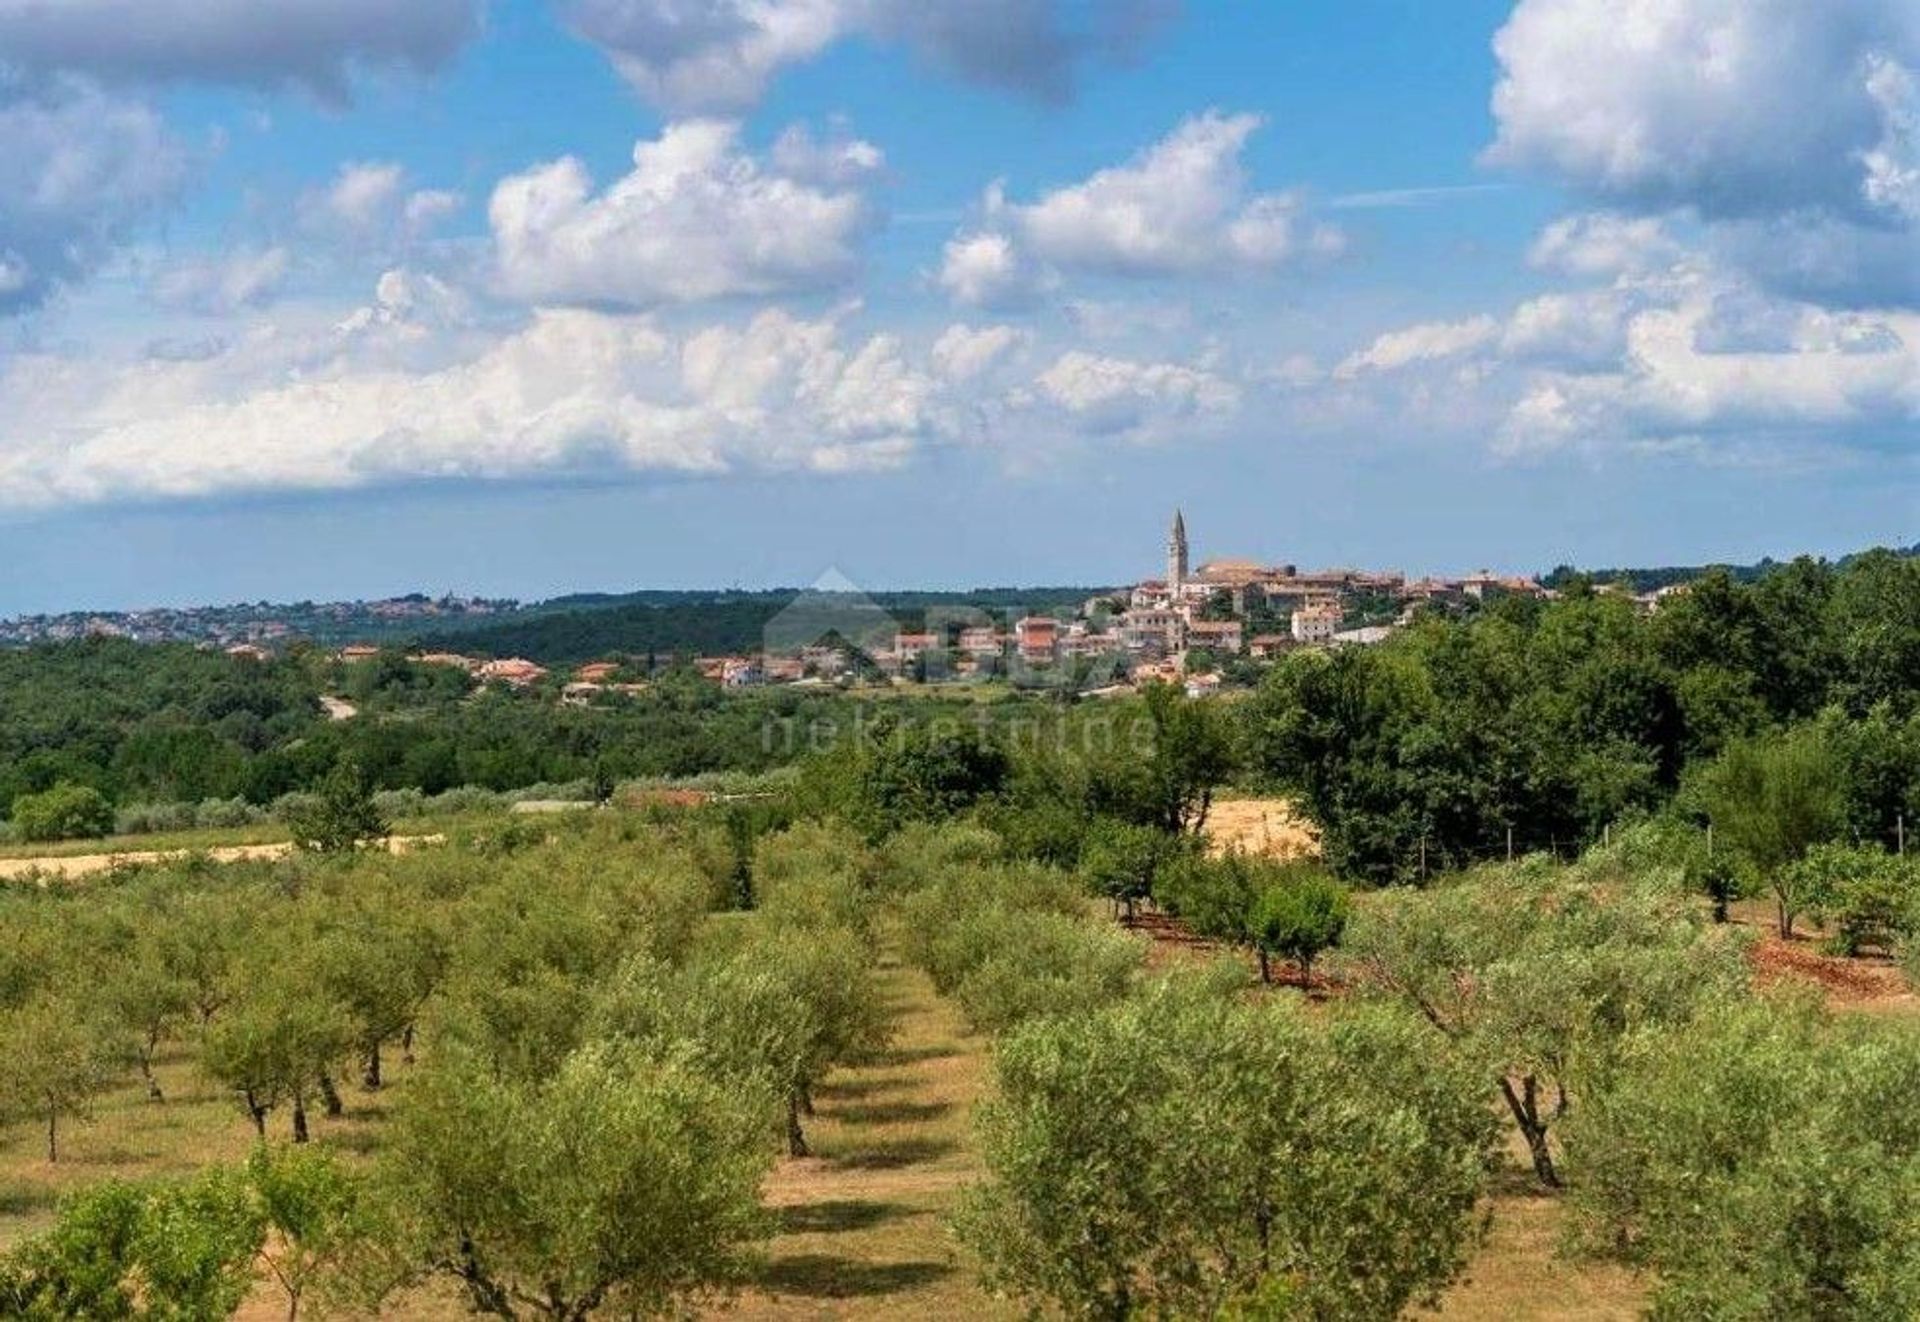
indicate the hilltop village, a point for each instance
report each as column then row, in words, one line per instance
column 1204, row 627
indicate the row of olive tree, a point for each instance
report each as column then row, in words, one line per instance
column 607, row 1069
column 1167, row 1146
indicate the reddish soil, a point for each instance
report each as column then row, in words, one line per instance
column 1845, row 981
column 1174, row 943
column 668, row 798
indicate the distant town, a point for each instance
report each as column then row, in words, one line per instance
column 1206, row 628
column 260, row 624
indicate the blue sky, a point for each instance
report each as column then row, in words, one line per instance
column 299, row 299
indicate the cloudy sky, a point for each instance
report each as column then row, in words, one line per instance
column 340, row 297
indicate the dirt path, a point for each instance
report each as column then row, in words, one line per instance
column 863, row 1223
column 69, row 867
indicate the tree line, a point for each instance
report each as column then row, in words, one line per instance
column 1536, row 726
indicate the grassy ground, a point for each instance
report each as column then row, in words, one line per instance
column 130, row 1137
column 863, row 1222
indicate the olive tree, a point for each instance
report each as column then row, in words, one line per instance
column 281, row 1043
column 1294, row 911
column 1186, row 1153
column 624, row 1182
column 1120, row 861
column 150, row 1001
column 1539, row 977
column 1297, row 917
column 1763, row 1162
column 771, row 1013
column 340, row 816
column 120, row 1250
column 380, row 966
column 57, row 1052
column 317, row 1212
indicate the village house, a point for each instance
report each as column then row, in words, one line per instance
column 1486, row 586
column 1267, row 646
column 910, row 647
column 1203, row 686
column 824, row 661
column 982, row 640
column 783, row 669
column 515, row 670
column 1316, row 624
column 451, row 659
column 1217, row 635
column 1036, row 637
column 1151, row 629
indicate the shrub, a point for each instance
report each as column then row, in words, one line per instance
column 395, row 804
column 1045, row 964
column 1185, row 1154
column 65, row 812
column 921, row 853
column 1761, row 1161
column 152, row 818
column 1867, row 897
column 463, row 799
column 124, row 1251
column 1297, row 918
column 223, row 814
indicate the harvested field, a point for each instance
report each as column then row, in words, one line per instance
column 1269, row 828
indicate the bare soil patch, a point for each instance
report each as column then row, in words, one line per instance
column 69, row 867
column 1845, row 981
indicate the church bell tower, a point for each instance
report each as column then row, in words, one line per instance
column 1177, row 555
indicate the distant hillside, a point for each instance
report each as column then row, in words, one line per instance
column 569, row 630
column 1652, row 580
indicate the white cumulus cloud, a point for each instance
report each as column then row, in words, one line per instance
column 963, row 352
column 1734, row 107
column 394, row 395
column 1603, row 243
column 79, row 169
column 988, row 270
column 697, row 218
column 1104, row 395
column 1182, row 206
column 706, row 56
column 374, row 202
column 1420, row 344
column 217, row 285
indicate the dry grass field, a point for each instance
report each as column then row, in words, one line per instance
column 1262, row 827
